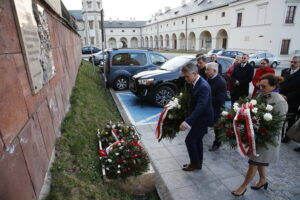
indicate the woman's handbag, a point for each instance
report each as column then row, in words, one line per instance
column 294, row 132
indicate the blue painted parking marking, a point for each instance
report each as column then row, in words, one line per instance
column 138, row 111
column 141, row 112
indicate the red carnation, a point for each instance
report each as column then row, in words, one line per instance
column 240, row 117
column 229, row 116
column 229, row 132
column 221, row 125
column 263, row 131
column 254, row 121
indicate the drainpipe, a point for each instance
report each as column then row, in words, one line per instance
column 186, row 38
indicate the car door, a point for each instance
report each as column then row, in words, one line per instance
column 156, row 61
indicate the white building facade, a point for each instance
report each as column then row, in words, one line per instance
column 246, row 25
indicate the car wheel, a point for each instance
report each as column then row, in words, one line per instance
column 121, row 83
column 252, row 64
column 163, row 95
column 274, row 65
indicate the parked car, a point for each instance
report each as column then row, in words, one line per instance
column 231, row 54
column 97, row 58
column 160, row 85
column 254, row 59
column 215, row 51
column 87, row 51
column 121, row 64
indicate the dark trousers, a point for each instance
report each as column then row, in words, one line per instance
column 217, row 142
column 194, row 144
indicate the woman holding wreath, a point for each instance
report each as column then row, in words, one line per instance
column 268, row 84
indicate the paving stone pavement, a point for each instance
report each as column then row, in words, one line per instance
column 222, row 171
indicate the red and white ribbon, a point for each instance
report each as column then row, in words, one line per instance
column 163, row 114
column 245, row 112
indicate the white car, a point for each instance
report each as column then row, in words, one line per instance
column 254, row 59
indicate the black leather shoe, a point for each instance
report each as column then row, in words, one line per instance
column 297, row 149
column 191, row 167
column 235, row 194
column 265, row 186
column 285, row 139
column 213, row 148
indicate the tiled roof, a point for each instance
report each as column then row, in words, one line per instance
column 189, row 8
column 124, row 24
column 76, row 13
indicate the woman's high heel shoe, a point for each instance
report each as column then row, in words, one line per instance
column 235, row 194
column 265, row 186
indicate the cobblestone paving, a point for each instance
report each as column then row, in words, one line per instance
column 283, row 177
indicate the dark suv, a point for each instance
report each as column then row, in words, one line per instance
column 159, row 86
column 121, row 64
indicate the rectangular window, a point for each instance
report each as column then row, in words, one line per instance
column 182, row 22
column 290, row 15
column 91, row 25
column 223, row 14
column 206, row 17
column 285, row 45
column 99, row 22
column 239, row 20
column 89, row 4
column 98, row 4
column 192, row 20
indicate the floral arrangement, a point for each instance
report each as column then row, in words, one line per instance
column 249, row 125
column 172, row 116
column 121, row 154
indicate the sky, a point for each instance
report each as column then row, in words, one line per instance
column 126, row 9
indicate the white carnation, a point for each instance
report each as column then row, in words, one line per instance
column 117, row 154
column 236, row 105
column 253, row 102
column 254, row 110
column 178, row 106
column 224, row 113
column 269, row 107
column 119, row 166
column 180, row 94
column 236, row 108
column 107, row 168
column 118, row 172
column 170, row 116
column 109, row 160
column 268, row 116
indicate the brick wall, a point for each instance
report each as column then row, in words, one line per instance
column 29, row 124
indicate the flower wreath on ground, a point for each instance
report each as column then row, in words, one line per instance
column 249, row 125
column 172, row 116
column 121, row 153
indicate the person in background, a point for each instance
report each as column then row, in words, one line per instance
column 236, row 61
column 201, row 62
column 218, row 91
column 268, row 84
column 213, row 58
column 290, row 89
column 241, row 77
column 200, row 118
column 263, row 69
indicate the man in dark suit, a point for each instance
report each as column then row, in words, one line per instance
column 241, row 77
column 201, row 62
column 218, row 91
column 200, row 118
column 213, row 58
column 290, row 88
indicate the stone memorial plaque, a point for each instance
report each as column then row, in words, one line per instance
column 35, row 42
column 55, row 5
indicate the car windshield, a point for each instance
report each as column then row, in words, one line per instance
column 175, row 64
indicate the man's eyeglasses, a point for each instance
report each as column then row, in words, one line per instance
column 263, row 63
column 294, row 62
column 262, row 86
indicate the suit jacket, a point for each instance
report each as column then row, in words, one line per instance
column 218, row 92
column 201, row 72
column 244, row 75
column 201, row 105
column 290, row 88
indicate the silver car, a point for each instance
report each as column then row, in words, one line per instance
column 254, row 59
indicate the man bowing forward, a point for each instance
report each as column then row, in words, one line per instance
column 200, row 118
